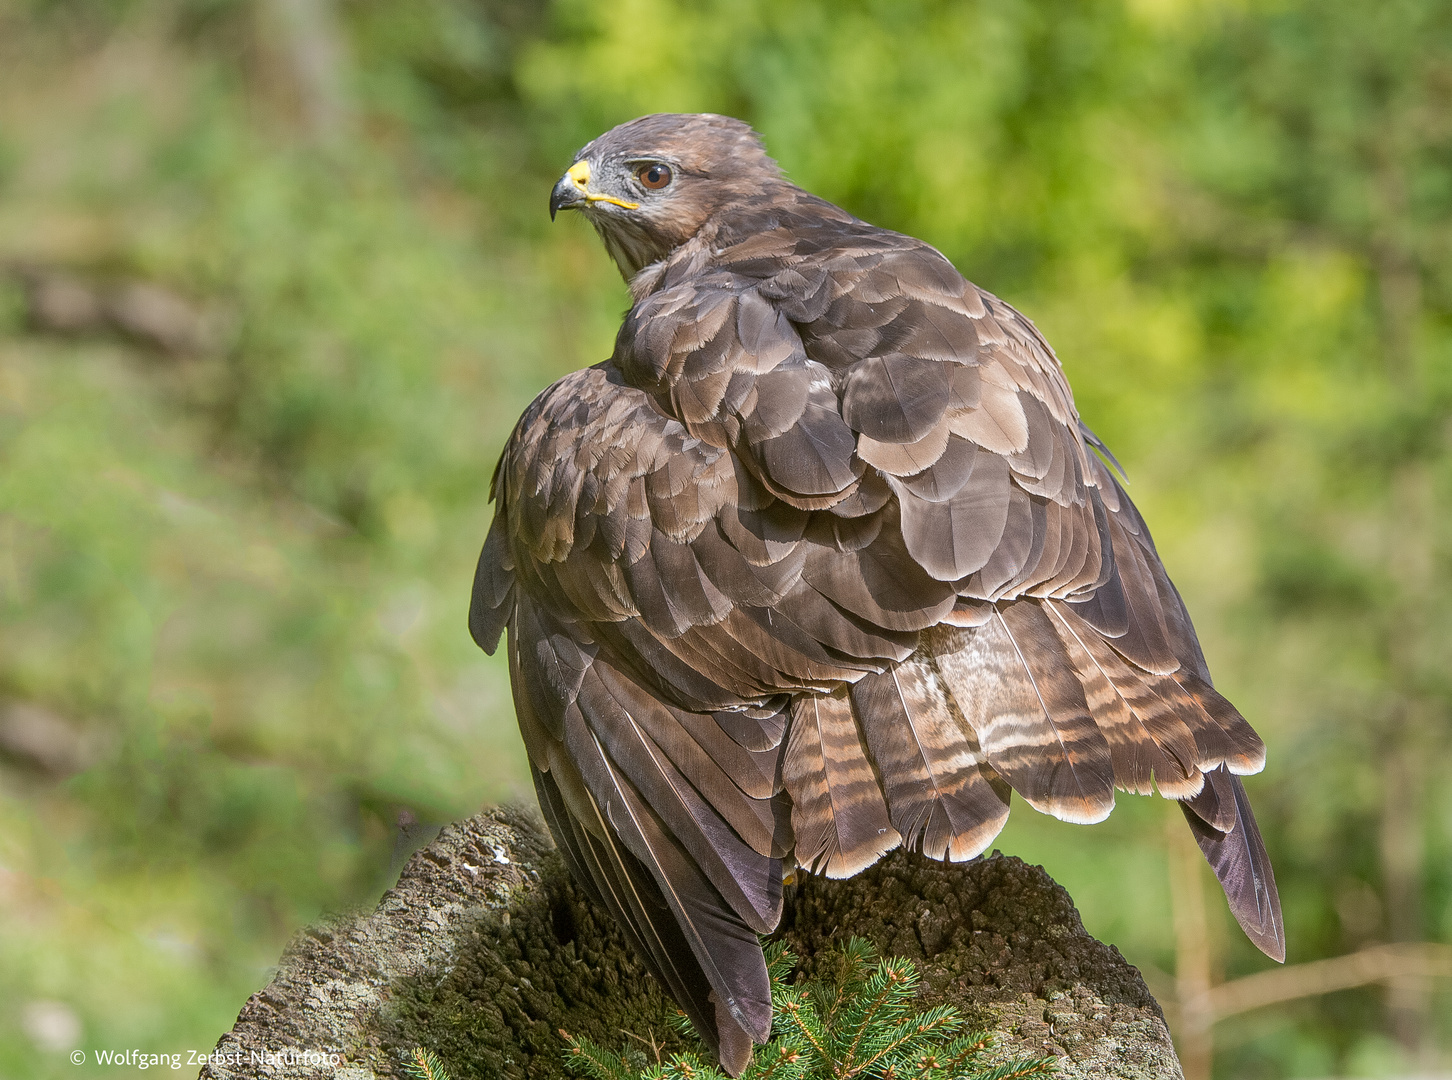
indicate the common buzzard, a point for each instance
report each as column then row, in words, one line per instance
column 823, row 562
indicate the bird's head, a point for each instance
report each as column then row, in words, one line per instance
column 649, row 185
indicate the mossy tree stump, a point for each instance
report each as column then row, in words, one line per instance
column 485, row 950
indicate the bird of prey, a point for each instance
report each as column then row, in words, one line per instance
column 820, row 563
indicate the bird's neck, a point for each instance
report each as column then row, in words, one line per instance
column 778, row 205
column 684, row 260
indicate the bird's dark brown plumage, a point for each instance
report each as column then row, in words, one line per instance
column 820, row 563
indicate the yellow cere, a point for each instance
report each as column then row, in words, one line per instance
column 579, row 174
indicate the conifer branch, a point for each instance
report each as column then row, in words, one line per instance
column 425, row 1065
column 857, row 1024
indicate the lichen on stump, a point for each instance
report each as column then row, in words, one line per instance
column 485, row 949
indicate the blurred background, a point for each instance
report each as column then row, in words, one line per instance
column 276, row 277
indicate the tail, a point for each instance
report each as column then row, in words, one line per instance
column 1030, row 698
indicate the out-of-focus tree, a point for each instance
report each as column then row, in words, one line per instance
column 238, row 577
column 1318, row 140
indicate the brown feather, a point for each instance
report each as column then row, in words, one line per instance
column 896, row 398
column 1215, row 803
column 952, row 539
column 1014, row 549
column 1247, row 751
column 906, row 458
column 1014, row 683
column 1166, row 724
column 841, row 632
column 744, row 875
column 881, row 584
column 1137, row 758
column 938, row 795
column 757, row 731
column 1146, row 639
column 492, row 601
column 1243, row 868
column 998, row 423
column 839, row 817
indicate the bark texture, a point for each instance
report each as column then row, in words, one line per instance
column 485, row 950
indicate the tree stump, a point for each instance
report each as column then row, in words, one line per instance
column 485, row 950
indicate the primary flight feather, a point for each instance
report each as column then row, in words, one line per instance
column 821, row 563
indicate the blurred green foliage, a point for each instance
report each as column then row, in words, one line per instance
column 233, row 578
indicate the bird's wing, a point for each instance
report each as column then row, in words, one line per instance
column 674, row 820
column 910, row 469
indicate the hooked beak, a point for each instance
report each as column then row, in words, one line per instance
column 573, row 191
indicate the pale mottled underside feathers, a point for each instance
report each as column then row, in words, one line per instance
column 818, row 564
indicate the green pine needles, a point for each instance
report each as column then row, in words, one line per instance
column 425, row 1065
column 860, row 1022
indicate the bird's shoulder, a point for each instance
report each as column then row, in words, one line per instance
column 593, row 448
column 819, row 347
column 851, row 294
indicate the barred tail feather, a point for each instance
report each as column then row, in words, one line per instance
column 1174, row 752
column 941, row 796
column 1136, row 757
column 1014, row 683
column 839, row 816
column 1245, row 752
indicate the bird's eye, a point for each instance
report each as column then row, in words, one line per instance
column 655, row 177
